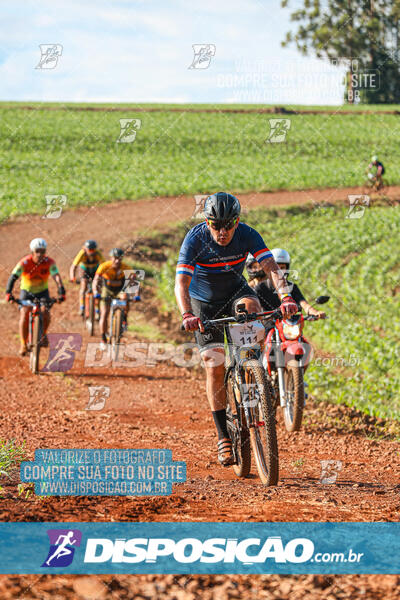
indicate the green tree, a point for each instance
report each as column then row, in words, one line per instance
column 364, row 32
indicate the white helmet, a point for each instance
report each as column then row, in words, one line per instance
column 374, row 158
column 281, row 256
column 38, row 244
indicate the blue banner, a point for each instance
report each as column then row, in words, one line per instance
column 103, row 472
column 195, row 548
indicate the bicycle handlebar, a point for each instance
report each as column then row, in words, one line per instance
column 35, row 302
column 242, row 318
column 248, row 317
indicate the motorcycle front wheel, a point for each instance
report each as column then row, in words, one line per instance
column 294, row 385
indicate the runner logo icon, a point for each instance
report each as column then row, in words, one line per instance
column 62, row 351
column 62, row 547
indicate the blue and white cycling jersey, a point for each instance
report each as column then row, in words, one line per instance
column 216, row 270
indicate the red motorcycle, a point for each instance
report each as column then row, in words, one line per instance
column 285, row 358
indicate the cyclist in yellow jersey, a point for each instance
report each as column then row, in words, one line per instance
column 34, row 270
column 88, row 259
column 111, row 275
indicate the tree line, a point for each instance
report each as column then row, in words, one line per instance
column 364, row 35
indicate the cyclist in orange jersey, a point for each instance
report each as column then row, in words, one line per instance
column 111, row 275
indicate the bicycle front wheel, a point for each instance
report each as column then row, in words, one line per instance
column 90, row 314
column 116, row 333
column 293, row 411
column 237, row 428
column 263, row 425
column 35, row 350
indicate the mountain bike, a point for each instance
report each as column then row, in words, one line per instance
column 89, row 303
column 118, row 319
column 36, row 329
column 375, row 184
column 250, row 413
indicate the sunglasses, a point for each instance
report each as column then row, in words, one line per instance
column 40, row 251
column 217, row 225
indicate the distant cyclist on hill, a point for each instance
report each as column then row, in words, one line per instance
column 209, row 284
column 88, row 259
column 375, row 171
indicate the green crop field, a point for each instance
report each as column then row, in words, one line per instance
column 357, row 262
column 76, row 153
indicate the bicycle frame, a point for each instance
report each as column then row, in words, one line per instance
column 117, row 304
column 238, row 355
column 35, row 311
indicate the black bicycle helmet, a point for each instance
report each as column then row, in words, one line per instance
column 116, row 253
column 91, row 244
column 221, row 207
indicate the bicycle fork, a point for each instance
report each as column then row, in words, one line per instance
column 282, row 390
column 252, row 419
column 34, row 315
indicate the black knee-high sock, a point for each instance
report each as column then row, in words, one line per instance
column 219, row 417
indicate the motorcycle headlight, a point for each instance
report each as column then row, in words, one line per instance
column 291, row 332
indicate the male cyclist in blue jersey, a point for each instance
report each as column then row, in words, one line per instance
column 209, row 285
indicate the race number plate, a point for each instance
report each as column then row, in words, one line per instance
column 247, row 334
column 118, row 302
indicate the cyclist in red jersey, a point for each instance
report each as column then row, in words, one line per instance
column 34, row 270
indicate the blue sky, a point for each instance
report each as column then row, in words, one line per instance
column 140, row 51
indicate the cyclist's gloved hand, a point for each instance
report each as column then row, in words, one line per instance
column 191, row 323
column 61, row 293
column 9, row 297
column 288, row 306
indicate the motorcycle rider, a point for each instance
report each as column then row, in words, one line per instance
column 265, row 290
column 210, row 284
